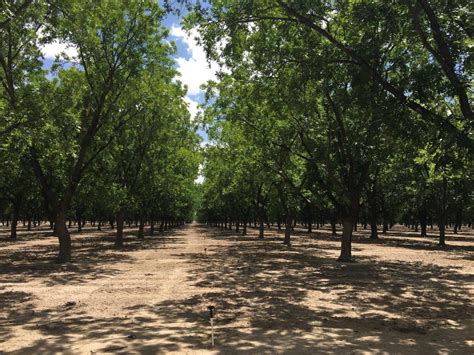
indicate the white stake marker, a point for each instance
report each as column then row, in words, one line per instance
column 211, row 315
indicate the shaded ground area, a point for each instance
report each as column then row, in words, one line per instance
column 403, row 295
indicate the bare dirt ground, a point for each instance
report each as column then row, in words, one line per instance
column 402, row 295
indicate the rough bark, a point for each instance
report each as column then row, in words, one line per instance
column 288, row 229
column 261, row 229
column 14, row 224
column 64, row 237
column 141, row 227
column 442, row 231
column 374, row 235
column 373, row 213
column 152, row 227
column 119, row 236
column 346, row 241
column 442, row 214
column 423, row 222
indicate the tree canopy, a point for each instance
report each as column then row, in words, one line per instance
column 103, row 134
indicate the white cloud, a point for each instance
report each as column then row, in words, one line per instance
column 51, row 50
column 56, row 47
column 208, row 143
column 194, row 71
column 199, row 179
column 192, row 106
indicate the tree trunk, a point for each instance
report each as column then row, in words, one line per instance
column 141, row 227
column 385, row 226
column 261, row 228
column 458, row 218
column 346, row 241
column 288, row 228
column 423, row 221
column 442, row 215
column 14, row 223
column 119, row 236
column 244, row 231
column 152, row 227
column 374, row 235
column 442, row 231
column 423, row 229
column 64, row 237
column 373, row 214
column 333, row 228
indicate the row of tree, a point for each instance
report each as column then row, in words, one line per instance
column 103, row 135
column 339, row 111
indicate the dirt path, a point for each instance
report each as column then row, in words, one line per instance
column 402, row 296
column 115, row 307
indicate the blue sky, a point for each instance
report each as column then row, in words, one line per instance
column 190, row 60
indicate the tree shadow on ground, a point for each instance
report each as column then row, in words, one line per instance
column 93, row 257
column 393, row 239
column 24, row 235
column 267, row 301
column 272, row 299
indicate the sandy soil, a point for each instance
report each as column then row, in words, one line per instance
column 402, row 295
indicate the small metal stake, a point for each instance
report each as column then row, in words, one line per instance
column 211, row 315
